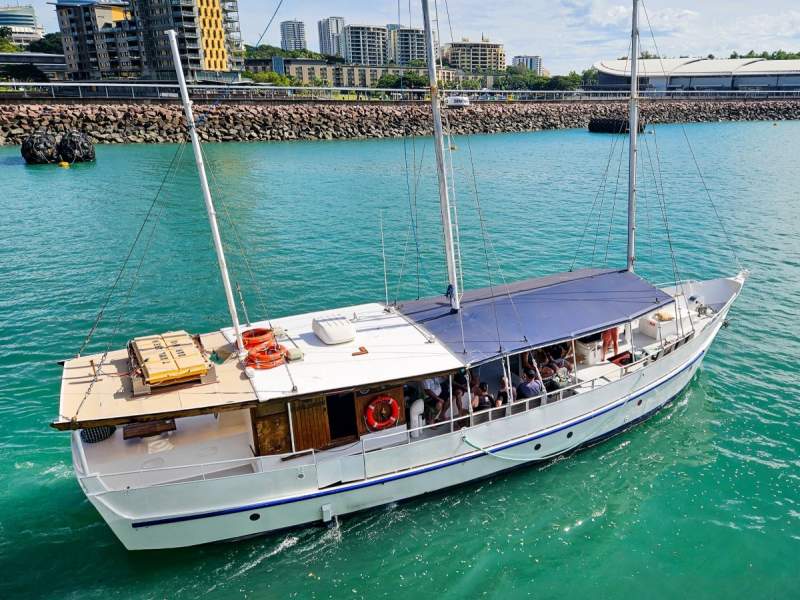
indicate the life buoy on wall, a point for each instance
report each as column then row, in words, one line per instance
column 382, row 413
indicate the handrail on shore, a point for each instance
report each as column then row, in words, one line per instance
column 160, row 91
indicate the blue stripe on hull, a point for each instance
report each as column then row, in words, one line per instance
column 322, row 493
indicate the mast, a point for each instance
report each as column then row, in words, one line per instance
column 633, row 126
column 438, row 144
column 201, row 170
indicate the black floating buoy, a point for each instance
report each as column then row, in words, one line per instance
column 75, row 146
column 40, row 148
column 611, row 125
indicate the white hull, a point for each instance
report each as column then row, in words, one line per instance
column 206, row 510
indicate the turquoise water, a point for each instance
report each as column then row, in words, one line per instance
column 702, row 500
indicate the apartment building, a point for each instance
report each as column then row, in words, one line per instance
column 120, row 39
column 330, row 35
column 100, row 39
column 308, row 71
column 293, row 35
column 532, row 63
column 476, row 57
column 405, row 44
column 365, row 44
column 209, row 39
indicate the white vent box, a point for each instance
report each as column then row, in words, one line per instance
column 333, row 329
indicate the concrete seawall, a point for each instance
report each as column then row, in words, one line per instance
column 149, row 123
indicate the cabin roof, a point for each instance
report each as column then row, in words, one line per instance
column 535, row 312
column 396, row 349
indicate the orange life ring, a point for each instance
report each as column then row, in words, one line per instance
column 381, row 413
column 266, row 356
column 257, row 336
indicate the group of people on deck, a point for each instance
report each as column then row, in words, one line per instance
column 542, row 370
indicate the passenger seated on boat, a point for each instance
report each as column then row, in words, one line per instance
column 531, row 386
column 434, row 397
column 560, row 357
column 549, row 379
column 534, row 358
column 505, row 393
column 483, row 399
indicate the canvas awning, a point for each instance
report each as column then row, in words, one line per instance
column 535, row 312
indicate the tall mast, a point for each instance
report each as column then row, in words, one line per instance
column 633, row 126
column 438, row 144
column 201, row 170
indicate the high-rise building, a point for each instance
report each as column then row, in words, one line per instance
column 364, row 44
column 476, row 57
column 100, row 39
column 330, row 35
column 209, row 40
column 22, row 21
column 293, row 35
column 405, row 44
column 532, row 63
column 121, row 38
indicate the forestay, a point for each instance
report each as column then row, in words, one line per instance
column 535, row 312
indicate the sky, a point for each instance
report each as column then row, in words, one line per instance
column 568, row 34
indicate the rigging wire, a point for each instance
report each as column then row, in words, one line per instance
column 271, row 19
column 613, row 209
column 101, row 312
column 242, row 248
column 98, row 370
column 731, row 245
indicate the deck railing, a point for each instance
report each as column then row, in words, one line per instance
column 165, row 91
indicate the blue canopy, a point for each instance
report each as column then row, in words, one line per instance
column 535, row 312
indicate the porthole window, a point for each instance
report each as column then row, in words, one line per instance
column 569, row 435
column 639, row 403
column 255, row 517
column 537, row 447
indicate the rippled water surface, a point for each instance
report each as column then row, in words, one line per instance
column 701, row 501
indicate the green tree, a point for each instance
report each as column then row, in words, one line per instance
column 22, row 73
column 269, row 77
column 590, row 77
column 49, row 44
column 5, row 40
column 408, row 80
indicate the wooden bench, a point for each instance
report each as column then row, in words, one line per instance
column 143, row 430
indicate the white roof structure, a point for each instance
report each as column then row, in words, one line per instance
column 387, row 347
column 694, row 67
column 396, row 349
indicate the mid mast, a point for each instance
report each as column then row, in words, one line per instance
column 201, row 170
column 633, row 130
column 438, row 144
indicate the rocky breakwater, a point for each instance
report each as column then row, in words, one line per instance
column 153, row 123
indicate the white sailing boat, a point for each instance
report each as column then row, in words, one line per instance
column 180, row 440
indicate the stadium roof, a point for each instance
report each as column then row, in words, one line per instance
column 689, row 67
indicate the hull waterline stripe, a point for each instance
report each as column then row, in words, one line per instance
column 435, row 467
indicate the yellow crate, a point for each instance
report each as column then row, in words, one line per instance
column 169, row 358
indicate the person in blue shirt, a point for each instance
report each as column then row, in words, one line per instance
column 531, row 386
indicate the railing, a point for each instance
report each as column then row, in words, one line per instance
column 139, row 90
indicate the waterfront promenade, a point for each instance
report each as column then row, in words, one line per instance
column 108, row 122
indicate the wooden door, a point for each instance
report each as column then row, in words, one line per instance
column 310, row 423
